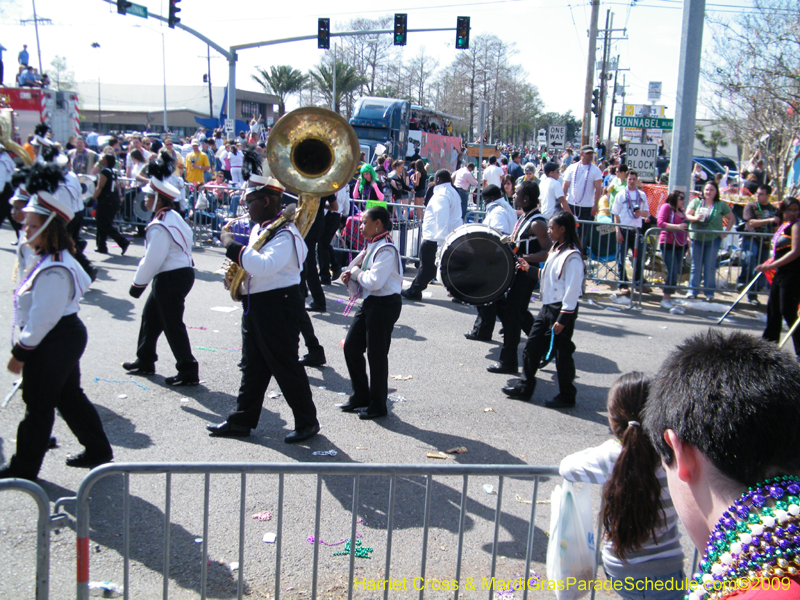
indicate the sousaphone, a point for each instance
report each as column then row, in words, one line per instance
column 313, row 152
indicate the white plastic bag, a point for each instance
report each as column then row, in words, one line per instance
column 570, row 551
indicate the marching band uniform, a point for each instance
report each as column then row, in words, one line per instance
column 501, row 217
column 513, row 307
column 168, row 263
column 562, row 285
column 50, row 345
column 273, row 307
column 376, row 274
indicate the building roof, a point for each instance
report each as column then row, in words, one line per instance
column 150, row 98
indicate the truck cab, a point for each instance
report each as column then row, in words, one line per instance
column 381, row 122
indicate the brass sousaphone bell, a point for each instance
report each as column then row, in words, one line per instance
column 313, row 152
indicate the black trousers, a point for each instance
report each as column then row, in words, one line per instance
column 427, row 267
column 74, row 230
column 515, row 317
column 784, row 297
column 5, row 207
column 270, row 338
column 163, row 313
column 310, row 274
column 484, row 322
column 538, row 345
column 371, row 332
column 583, row 213
column 328, row 261
column 105, row 225
column 52, row 380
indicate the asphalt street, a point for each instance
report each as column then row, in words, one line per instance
column 442, row 396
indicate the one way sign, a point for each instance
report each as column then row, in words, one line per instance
column 557, row 134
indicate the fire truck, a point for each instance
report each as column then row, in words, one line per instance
column 32, row 106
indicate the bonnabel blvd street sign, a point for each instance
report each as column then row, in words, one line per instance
column 643, row 123
column 137, row 10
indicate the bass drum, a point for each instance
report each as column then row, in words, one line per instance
column 476, row 266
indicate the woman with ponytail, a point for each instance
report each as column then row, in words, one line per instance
column 641, row 539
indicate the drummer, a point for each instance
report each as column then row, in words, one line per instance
column 442, row 215
column 501, row 217
column 531, row 244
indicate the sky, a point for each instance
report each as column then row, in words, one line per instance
column 550, row 37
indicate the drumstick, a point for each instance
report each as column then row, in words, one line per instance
column 17, row 384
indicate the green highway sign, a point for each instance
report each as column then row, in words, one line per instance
column 643, row 123
column 137, row 10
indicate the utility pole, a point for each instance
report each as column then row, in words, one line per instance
column 680, row 166
column 622, row 112
column 613, row 100
column 590, row 67
column 36, row 20
column 333, row 81
column 604, row 72
column 210, row 98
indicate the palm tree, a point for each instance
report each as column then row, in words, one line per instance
column 347, row 80
column 282, row 81
column 714, row 142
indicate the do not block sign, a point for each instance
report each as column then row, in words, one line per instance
column 557, row 134
column 642, row 159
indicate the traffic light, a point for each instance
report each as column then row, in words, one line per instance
column 596, row 102
column 462, row 33
column 122, row 6
column 400, row 29
column 205, row 77
column 324, row 33
column 173, row 13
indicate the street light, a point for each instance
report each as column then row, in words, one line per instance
column 164, row 69
column 96, row 46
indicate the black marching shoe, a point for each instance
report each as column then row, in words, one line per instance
column 471, row 335
column 517, row 392
column 299, row 435
column 134, row 368
column 84, row 460
column 501, row 368
column 560, row 402
column 182, row 380
column 411, row 296
column 226, row 429
column 366, row 415
column 11, row 472
column 316, row 307
column 351, row 406
column 314, row 359
column 124, row 248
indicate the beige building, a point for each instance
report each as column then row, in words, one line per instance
column 139, row 107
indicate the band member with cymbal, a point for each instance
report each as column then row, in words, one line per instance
column 376, row 275
column 168, row 263
column 51, row 341
column 273, row 306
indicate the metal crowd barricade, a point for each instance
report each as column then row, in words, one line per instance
column 356, row 471
column 730, row 264
column 601, row 253
column 43, row 525
column 406, row 232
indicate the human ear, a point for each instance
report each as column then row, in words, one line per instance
column 685, row 456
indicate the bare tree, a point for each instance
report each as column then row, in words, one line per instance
column 753, row 72
column 419, row 70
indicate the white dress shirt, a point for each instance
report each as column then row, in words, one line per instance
column 277, row 265
column 168, row 246
column 382, row 274
column 500, row 216
column 53, row 291
column 443, row 213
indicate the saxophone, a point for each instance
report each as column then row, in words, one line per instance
column 313, row 152
column 7, row 137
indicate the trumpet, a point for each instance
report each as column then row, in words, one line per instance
column 313, row 152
